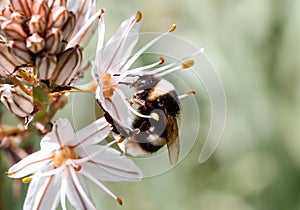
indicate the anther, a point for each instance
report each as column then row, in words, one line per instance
column 121, row 139
column 119, row 200
column 138, row 16
column 187, row 64
column 102, row 11
column 173, row 27
column 191, row 92
column 155, row 116
column 78, row 168
column 26, row 180
column 162, row 60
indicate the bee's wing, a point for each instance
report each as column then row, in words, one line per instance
column 173, row 140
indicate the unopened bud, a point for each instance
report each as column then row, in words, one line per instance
column 16, row 100
column 67, row 66
column 23, row 6
column 54, row 38
column 40, row 7
column 17, row 17
column 45, row 66
column 69, row 26
column 8, row 62
column 6, row 12
column 20, row 51
column 37, row 24
column 57, row 3
column 35, row 43
column 13, row 30
column 58, row 17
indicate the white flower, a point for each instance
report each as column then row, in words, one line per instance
column 57, row 170
column 113, row 74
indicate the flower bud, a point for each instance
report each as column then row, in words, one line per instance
column 68, row 64
column 57, row 3
column 40, row 8
column 23, row 6
column 6, row 12
column 35, row 43
column 37, row 24
column 13, row 30
column 69, row 26
column 58, row 17
column 20, row 51
column 17, row 17
column 45, row 66
column 8, row 62
column 16, row 100
column 54, row 38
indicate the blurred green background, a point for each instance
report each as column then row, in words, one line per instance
column 254, row 46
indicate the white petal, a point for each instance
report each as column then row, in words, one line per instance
column 62, row 134
column 82, row 37
column 110, row 165
column 43, row 193
column 29, row 164
column 119, row 46
column 101, row 33
column 83, row 10
column 73, row 194
column 93, row 133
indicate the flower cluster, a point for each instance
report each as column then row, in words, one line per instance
column 41, row 56
column 41, row 41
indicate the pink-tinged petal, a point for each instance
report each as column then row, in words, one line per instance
column 92, row 134
column 62, row 134
column 119, row 47
column 74, row 195
column 29, row 164
column 43, row 193
column 110, row 165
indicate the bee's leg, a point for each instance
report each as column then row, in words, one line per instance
column 137, row 101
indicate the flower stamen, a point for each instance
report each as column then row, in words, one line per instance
column 191, row 92
column 27, row 180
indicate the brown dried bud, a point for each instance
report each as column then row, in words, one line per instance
column 41, row 8
column 53, row 39
column 67, row 66
column 35, row 43
column 37, row 24
column 13, row 30
column 22, row 6
column 69, row 26
column 58, row 17
column 45, row 66
column 16, row 100
column 19, row 50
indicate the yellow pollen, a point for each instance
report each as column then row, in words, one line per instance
column 173, row 27
column 62, row 155
column 187, row 64
column 155, row 116
column 138, row 16
column 108, row 89
column 26, row 180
